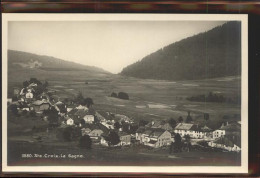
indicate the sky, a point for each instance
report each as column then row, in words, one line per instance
column 110, row 45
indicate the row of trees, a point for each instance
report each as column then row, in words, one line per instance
column 180, row 145
column 120, row 95
column 213, row 97
column 83, row 101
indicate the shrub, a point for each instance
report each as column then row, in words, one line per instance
column 85, row 142
column 123, row 95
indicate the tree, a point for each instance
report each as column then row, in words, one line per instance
column 85, row 142
column 114, row 95
column 123, row 95
column 189, row 118
column 32, row 113
column 14, row 109
column 172, row 122
column 133, row 129
column 180, row 119
column 117, row 125
column 187, row 142
column 88, row 102
column 206, row 116
column 113, row 138
column 142, row 123
column 177, row 143
column 53, row 115
column 67, row 134
column 79, row 98
column 35, row 80
column 25, row 84
column 45, row 85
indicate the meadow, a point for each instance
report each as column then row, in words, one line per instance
column 156, row 99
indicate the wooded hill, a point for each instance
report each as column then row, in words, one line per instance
column 215, row 53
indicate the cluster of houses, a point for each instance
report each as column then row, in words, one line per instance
column 98, row 124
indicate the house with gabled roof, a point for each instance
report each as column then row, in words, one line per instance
column 125, row 138
column 156, row 138
column 227, row 129
column 159, row 124
column 193, row 130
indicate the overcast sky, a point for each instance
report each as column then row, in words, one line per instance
column 109, row 45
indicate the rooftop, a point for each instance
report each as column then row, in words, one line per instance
column 184, row 126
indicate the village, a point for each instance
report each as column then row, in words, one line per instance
column 76, row 119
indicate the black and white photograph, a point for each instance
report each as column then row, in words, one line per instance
column 143, row 93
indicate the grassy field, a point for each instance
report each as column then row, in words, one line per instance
column 153, row 99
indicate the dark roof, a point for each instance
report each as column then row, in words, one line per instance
column 140, row 130
column 148, row 132
column 152, row 141
column 184, row 126
column 195, row 127
column 231, row 127
column 101, row 127
column 105, row 115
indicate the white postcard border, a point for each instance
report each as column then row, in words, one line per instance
column 130, row 17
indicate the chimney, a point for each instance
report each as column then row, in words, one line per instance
column 227, row 123
column 152, row 122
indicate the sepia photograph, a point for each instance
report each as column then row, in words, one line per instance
column 127, row 93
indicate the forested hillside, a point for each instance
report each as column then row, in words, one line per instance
column 215, row 53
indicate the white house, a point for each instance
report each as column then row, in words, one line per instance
column 193, row 130
column 70, row 121
column 28, row 95
column 227, row 129
column 218, row 133
column 156, row 138
column 89, row 119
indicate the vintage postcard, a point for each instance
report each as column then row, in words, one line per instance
column 158, row 93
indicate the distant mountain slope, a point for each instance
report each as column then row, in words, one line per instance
column 23, row 65
column 215, row 53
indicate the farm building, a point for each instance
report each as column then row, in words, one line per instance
column 159, row 125
column 227, row 129
column 89, row 119
column 125, row 139
column 193, row 130
column 156, row 138
column 96, row 133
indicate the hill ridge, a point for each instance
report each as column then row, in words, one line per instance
column 215, row 53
